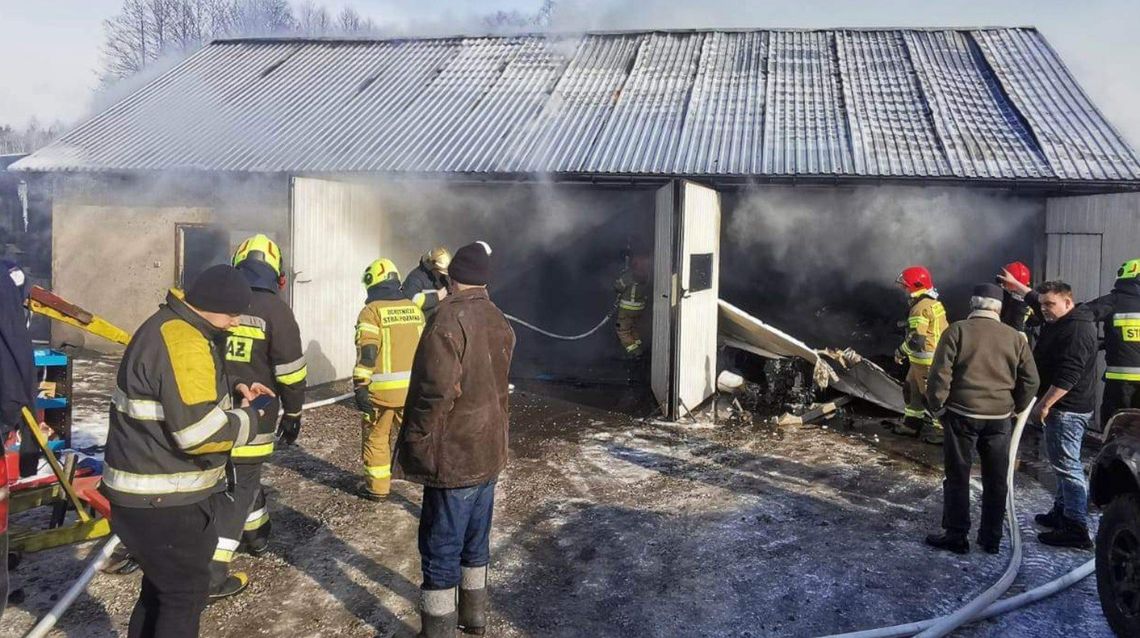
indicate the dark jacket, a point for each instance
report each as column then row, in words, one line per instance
column 172, row 420
column 266, row 348
column 421, row 285
column 1120, row 312
column 982, row 369
column 1016, row 312
column 17, row 362
column 456, row 416
column 1066, row 357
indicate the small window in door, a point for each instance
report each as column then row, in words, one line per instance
column 199, row 247
column 700, row 272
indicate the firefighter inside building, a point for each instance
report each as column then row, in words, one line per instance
column 1015, row 311
column 264, row 348
column 632, row 288
column 388, row 331
column 925, row 324
column 426, row 285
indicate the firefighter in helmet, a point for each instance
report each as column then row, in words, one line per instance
column 426, row 285
column 387, row 333
column 265, row 348
column 1015, row 311
column 926, row 322
column 632, row 289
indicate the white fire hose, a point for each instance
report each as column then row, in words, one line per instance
column 987, row 605
column 101, row 557
column 540, row 331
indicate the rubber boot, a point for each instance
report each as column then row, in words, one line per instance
column 231, row 586
column 948, row 542
column 1070, row 534
column 910, row 426
column 438, row 616
column 473, row 601
column 932, row 433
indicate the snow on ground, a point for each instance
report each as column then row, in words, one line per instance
column 607, row 526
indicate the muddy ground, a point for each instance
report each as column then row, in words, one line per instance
column 611, row 526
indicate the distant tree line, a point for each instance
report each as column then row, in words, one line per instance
column 28, row 138
column 146, row 30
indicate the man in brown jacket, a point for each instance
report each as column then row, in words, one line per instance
column 983, row 374
column 454, row 443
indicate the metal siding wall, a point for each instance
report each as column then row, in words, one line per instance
column 336, row 234
column 1116, row 216
column 663, row 299
column 699, row 311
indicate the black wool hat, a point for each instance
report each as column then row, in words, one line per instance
column 988, row 291
column 471, row 264
column 222, row 289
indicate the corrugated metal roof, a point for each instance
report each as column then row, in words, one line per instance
column 922, row 103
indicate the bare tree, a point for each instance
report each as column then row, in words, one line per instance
column 313, row 19
column 348, row 21
column 262, row 17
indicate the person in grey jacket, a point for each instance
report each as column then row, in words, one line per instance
column 983, row 374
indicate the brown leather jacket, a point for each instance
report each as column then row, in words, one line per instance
column 456, row 416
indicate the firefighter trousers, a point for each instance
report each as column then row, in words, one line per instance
column 377, row 438
column 244, row 518
column 914, row 392
column 627, row 330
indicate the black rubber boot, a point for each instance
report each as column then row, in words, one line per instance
column 233, row 585
column 438, row 616
column 1071, row 534
column 1054, row 519
column 473, row 601
column 910, row 426
column 950, row 543
column 932, row 433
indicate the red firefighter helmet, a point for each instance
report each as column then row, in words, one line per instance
column 915, row 279
column 1019, row 271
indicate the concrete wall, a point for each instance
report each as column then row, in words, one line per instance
column 114, row 239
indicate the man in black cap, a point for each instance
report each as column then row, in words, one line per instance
column 983, row 374
column 454, row 443
column 172, row 427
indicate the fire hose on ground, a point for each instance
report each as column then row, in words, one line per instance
column 103, row 554
column 540, row 331
column 986, row 605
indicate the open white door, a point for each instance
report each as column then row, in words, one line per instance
column 686, row 295
column 336, row 233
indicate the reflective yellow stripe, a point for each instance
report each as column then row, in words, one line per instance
column 625, row 305
column 223, row 555
column 361, row 373
column 177, row 483
column 293, row 377
column 141, row 409
column 386, row 346
column 378, row 471
column 286, row 368
column 1125, row 322
column 256, row 520
column 914, row 413
column 377, row 386
column 921, row 357
column 252, row 451
column 1122, row 373
column 201, row 430
column 248, row 331
column 367, row 327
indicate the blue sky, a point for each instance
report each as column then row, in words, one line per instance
column 49, row 49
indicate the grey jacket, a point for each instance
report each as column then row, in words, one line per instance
column 982, row 369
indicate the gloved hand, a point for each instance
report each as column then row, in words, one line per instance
column 900, row 358
column 364, row 401
column 288, row 429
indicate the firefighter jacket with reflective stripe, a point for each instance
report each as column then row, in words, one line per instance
column 266, row 348
column 925, row 325
column 421, row 285
column 172, row 422
column 387, row 333
column 631, row 291
column 1120, row 312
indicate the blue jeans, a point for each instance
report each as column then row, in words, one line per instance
column 455, row 530
column 1064, row 432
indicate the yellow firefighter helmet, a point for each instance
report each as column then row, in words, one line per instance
column 259, row 248
column 1129, row 269
column 380, row 271
column 438, row 259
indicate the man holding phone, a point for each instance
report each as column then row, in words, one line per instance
column 172, row 426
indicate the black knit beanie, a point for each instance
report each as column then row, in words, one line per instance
column 471, row 264
column 222, row 289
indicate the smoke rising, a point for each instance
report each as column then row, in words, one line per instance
column 821, row 262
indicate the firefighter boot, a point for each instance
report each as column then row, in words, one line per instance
column 932, row 433
column 234, row 584
column 473, row 601
column 910, row 426
column 438, row 616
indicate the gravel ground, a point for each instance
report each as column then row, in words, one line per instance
column 611, row 526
